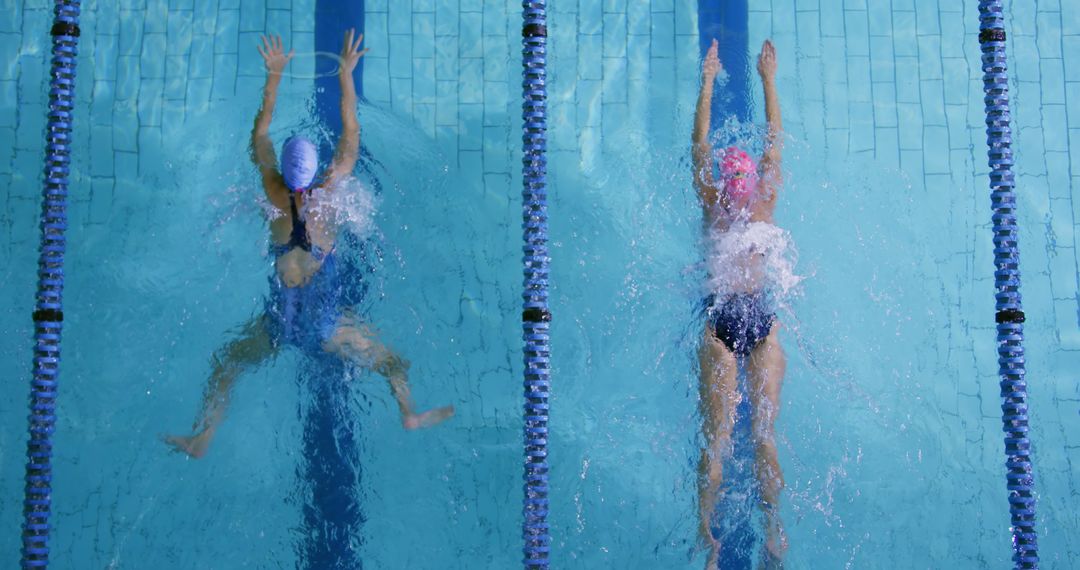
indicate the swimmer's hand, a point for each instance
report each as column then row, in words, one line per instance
column 351, row 52
column 766, row 63
column 711, row 67
column 427, row 419
column 193, row 445
column 274, row 54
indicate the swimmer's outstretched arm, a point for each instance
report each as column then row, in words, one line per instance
column 348, row 146
column 702, row 151
column 771, row 176
column 262, row 150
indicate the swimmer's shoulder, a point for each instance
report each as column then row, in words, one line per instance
column 276, row 192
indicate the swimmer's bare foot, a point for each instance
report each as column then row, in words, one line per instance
column 193, row 445
column 714, row 553
column 428, row 418
column 776, row 544
column 706, row 541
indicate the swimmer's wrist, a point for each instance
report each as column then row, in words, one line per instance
column 345, row 76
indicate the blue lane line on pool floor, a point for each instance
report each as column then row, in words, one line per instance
column 332, row 464
column 727, row 21
column 332, row 18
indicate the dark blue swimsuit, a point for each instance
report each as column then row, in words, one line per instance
column 741, row 321
column 304, row 316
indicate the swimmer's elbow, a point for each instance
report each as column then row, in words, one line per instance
column 773, row 175
column 770, row 189
column 707, row 193
column 350, row 126
column 770, row 164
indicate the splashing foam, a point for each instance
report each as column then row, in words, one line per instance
column 749, row 255
column 351, row 206
column 728, row 254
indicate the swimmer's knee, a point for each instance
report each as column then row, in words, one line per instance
column 390, row 364
column 229, row 356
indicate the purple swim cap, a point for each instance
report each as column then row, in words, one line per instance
column 299, row 161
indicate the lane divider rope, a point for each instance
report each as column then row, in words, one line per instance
column 1020, row 480
column 48, row 310
column 535, row 316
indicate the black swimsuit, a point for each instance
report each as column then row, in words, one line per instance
column 741, row 320
column 298, row 236
column 306, row 316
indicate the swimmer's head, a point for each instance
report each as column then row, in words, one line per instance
column 299, row 161
column 738, row 172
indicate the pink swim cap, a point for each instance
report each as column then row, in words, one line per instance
column 738, row 172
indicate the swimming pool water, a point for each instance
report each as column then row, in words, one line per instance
column 890, row 427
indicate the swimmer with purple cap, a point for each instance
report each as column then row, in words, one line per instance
column 740, row 325
column 308, row 306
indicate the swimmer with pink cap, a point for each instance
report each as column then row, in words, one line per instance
column 741, row 330
column 746, row 189
column 738, row 173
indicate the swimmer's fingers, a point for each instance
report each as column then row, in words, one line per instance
column 354, row 47
column 347, row 45
column 350, row 50
column 273, row 53
column 711, row 66
column 264, row 49
column 767, row 59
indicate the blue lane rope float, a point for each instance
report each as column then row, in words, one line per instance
column 48, row 310
column 535, row 316
column 1020, row 481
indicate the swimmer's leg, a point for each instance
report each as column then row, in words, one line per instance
column 765, row 375
column 251, row 348
column 718, row 386
column 355, row 341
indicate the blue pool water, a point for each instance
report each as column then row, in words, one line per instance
column 889, row 433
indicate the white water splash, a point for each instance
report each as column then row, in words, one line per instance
column 351, row 205
column 727, row 253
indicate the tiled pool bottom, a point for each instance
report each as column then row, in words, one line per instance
column 907, row 89
column 894, row 89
